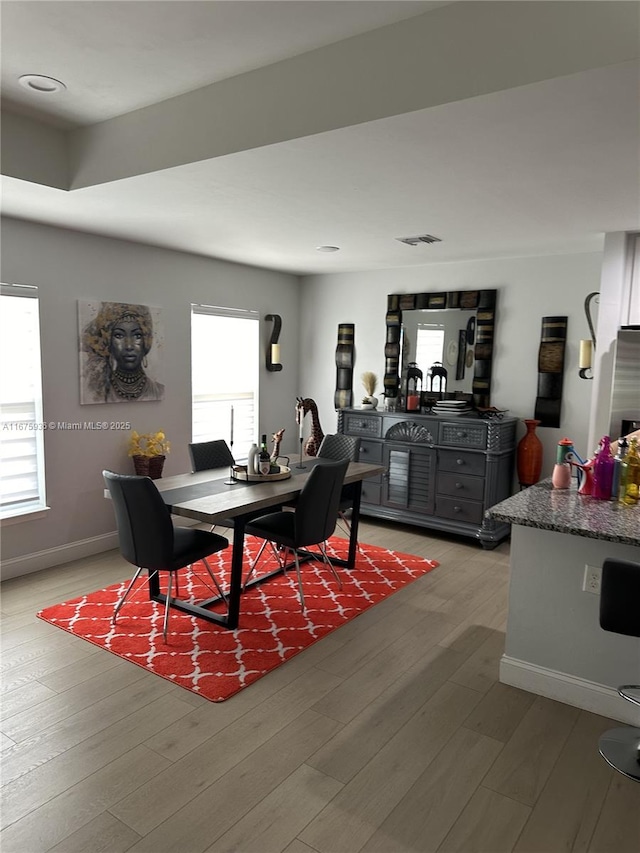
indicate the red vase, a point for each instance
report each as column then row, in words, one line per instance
column 529, row 456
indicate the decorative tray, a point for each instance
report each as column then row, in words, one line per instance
column 491, row 413
column 240, row 473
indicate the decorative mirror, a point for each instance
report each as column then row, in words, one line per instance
column 454, row 327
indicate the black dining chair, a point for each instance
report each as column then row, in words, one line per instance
column 148, row 539
column 340, row 446
column 311, row 523
column 206, row 455
column 620, row 613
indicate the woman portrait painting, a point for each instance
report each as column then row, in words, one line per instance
column 119, row 348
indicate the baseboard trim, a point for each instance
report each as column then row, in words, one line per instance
column 28, row 563
column 562, row 687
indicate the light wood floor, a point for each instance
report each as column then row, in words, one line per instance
column 392, row 734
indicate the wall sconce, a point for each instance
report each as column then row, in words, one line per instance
column 588, row 345
column 273, row 348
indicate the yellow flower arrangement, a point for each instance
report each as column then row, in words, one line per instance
column 148, row 444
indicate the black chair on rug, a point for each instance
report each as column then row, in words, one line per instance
column 206, row 455
column 340, row 446
column 149, row 540
column 311, row 523
column 620, row 613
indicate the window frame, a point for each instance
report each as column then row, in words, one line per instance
column 21, row 510
column 241, row 314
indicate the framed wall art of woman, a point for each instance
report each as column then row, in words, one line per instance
column 121, row 345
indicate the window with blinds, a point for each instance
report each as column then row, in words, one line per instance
column 225, row 363
column 22, row 486
column 429, row 346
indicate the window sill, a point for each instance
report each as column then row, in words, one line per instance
column 18, row 516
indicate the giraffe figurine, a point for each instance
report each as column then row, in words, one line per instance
column 277, row 441
column 303, row 406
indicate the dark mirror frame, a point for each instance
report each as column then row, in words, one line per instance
column 482, row 301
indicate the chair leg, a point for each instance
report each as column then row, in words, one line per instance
column 325, row 557
column 215, row 580
column 126, row 593
column 346, row 526
column 295, row 557
column 254, row 564
column 166, row 607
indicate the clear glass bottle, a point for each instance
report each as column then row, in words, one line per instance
column 619, row 467
column 264, row 460
column 603, row 471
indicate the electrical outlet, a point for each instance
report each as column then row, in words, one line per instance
column 592, row 579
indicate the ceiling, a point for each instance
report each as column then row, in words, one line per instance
column 257, row 131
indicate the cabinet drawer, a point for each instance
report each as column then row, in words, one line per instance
column 461, row 486
column 371, row 451
column 463, row 435
column 371, row 491
column 459, row 510
column 459, row 461
column 362, row 425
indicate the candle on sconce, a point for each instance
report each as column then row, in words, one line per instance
column 231, row 435
column 301, row 428
column 586, row 347
column 275, row 353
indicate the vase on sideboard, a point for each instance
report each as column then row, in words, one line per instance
column 529, row 455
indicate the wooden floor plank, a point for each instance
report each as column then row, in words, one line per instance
column 276, row 820
column 567, row 810
column 367, row 799
column 490, row 823
column 522, row 769
column 425, row 815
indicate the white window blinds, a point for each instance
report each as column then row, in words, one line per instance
column 224, row 373
column 22, row 486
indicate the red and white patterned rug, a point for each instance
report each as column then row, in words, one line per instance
column 214, row 662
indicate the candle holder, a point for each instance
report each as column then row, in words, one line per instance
column 300, row 465
column 231, row 480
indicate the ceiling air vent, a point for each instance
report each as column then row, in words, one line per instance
column 422, row 238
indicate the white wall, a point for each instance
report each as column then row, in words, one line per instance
column 67, row 266
column 528, row 289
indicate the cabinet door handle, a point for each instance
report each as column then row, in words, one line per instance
column 457, row 509
column 461, row 434
column 458, row 485
column 459, row 461
column 363, row 450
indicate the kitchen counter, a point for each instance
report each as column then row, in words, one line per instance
column 565, row 511
column 554, row 644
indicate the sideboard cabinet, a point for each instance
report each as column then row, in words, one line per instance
column 441, row 472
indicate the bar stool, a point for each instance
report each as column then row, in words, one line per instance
column 620, row 613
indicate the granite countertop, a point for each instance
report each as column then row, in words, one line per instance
column 565, row 511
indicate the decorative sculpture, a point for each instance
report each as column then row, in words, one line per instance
column 277, row 441
column 551, row 355
column 343, row 397
column 303, row 406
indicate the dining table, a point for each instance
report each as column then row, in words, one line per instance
column 212, row 497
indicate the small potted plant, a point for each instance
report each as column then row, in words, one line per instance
column 148, row 451
column 369, row 383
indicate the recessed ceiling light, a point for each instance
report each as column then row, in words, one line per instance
column 39, row 83
column 327, row 248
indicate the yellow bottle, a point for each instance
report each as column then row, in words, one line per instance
column 630, row 485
